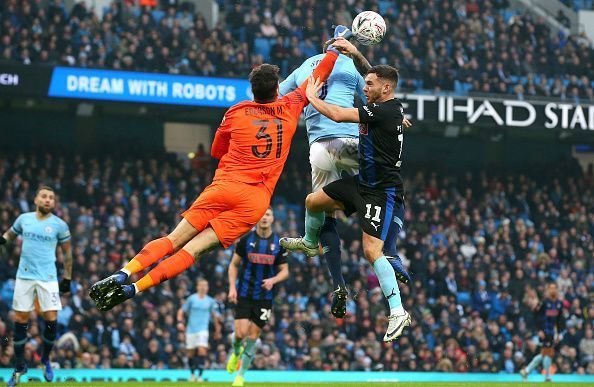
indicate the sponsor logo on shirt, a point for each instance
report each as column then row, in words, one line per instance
column 36, row 237
column 262, row 259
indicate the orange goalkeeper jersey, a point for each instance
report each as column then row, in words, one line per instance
column 254, row 139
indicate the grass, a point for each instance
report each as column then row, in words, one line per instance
column 248, row 384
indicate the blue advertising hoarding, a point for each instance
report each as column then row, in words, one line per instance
column 127, row 86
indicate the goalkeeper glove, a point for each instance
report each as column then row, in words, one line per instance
column 64, row 286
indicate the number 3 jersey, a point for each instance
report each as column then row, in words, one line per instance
column 260, row 259
column 253, row 140
column 381, row 137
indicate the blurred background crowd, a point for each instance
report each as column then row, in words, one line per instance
column 480, row 247
column 462, row 46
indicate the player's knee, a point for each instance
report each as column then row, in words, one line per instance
column 310, row 202
column 176, row 242
column 21, row 317
column 372, row 253
column 241, row 332
column 254, row 335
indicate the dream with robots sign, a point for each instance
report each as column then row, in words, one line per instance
column 147, row 87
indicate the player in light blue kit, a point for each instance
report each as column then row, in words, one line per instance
column 333, row 150
column 199, row 308
column 37, row 278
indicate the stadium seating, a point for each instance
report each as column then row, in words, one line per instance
column 480, row 248
column 432, row 32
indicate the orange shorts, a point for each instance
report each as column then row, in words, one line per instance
column 230, row 207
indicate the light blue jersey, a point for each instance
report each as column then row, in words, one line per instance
column 199, row 311
column 40, row 237
column 340, row 90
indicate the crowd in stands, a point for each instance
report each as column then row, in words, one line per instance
column 480, row 247
column 472, row 46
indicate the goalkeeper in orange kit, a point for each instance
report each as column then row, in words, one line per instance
column 253, row 144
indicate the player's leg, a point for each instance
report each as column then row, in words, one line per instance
column 547, row 359
column 376, row 212
column 159, row 248
column 23, row 303
column 48, row 295
column 196, row 218
column 248, row 353
column 19, row 339
column 323, row 157
column 247, row 204
column 191, row 345
column 201, row 353
column 151, row 253
column 259, row 315
column 316, row 203
column 49, row 337
column 191, row 358
column 531, row 366
column 238, row 337
column 390, row 249
column 165, row 270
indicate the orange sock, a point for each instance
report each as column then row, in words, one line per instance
column 151, row 253
column 169, row 268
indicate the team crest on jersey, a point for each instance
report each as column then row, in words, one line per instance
column 48, row 230
column 272, row 246
column 363, row 129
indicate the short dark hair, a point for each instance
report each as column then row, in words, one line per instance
column 264, row 80
column 43, row 187
column 386, row 72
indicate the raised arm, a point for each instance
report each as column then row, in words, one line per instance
column 324, row 68
column 347, row 48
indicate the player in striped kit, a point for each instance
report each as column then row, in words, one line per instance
column 264, row 264
column 550, row 317
column 333, row 152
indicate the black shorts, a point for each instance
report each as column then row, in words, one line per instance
column 257, row 311
column 380, row 210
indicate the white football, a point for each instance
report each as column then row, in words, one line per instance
column 369, row 28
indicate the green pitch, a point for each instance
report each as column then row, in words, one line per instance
column 248, row 384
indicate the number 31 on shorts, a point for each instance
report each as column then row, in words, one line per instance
column 265, row 314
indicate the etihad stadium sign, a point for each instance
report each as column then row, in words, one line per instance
column 511, row 113
column 113, row 86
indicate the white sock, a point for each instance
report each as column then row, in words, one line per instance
column 136, row 291
column 125, row 271
column 397, row 311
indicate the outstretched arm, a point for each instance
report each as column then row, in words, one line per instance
column 297, row 98
column 323, row 69
column 334, row 112
column 347, row 48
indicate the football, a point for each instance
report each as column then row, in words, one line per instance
column 369, row 28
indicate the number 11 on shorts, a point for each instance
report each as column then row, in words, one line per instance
column 376, row 217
